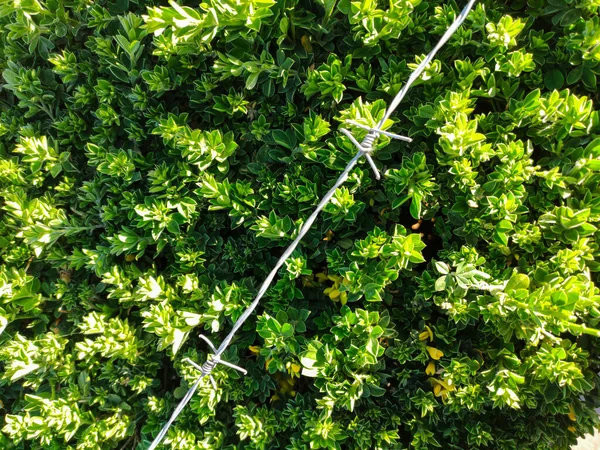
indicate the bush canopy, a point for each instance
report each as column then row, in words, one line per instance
column 157, row 158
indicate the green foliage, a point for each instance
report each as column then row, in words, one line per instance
column 156, row 159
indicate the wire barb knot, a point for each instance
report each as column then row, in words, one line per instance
column 368, row 141
column 366, row 146
column 212, row 362
column 209, row 365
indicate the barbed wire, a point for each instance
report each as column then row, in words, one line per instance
column 365, row 149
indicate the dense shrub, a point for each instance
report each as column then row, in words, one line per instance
column 156, row 161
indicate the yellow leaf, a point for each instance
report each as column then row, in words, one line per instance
column 427, row 334
column 334, row 294
column 434, row 353
column 285, row 387
column 344, row 298
column 306, row 43
column 322, row 277
column 572, row 429
column 571, row 414
column 437, row 390
column 430, row 369
column 254, row 349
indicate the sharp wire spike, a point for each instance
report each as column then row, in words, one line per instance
column 373, row 166
column 375, row 130
column 354, row 141
column 192, row 363
column 233, row 366
column 364, row 149
column 209, row 342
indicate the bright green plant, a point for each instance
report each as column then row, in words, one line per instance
column 156, row 159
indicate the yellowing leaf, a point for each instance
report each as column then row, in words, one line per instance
column 571, row 414
column 427, row 334
column 322, row 277
column 254, row 349
column 306, row 43
column 434, row 353
column 344, row 298
column 430, row 369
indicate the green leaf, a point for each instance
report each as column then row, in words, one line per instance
column 575, row 75
column 287, row 330
column 554, row 79
column 286, row 139
column 55, row 170
column 173, row 227
column 589, row 79
column 252, row 80
column 442, row 267
column 441, row 283
column 415, row 206
column 517, row 281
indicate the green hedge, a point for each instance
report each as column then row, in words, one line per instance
column 156, row 160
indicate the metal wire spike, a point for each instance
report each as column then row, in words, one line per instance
column 193, row 364
column 209, row 342
column 378, row 131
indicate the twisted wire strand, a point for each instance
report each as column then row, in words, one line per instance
column 368, row 141
column 209, row 365
column 365, row 148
